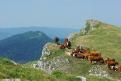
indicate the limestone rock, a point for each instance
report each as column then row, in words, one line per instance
column 98, row 71
column 54, row 64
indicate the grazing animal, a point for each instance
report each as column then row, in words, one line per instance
column 85, row 52
column 86, row 55
column 76, row 53
column 110, row 59
column 98, row 59
column 111, row 62
column 67, row 43
column 79, row 55
column 117, row 68
column 62, row 46
column 95, row 54
column 77, row 50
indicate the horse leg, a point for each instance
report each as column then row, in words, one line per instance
column 91, row 61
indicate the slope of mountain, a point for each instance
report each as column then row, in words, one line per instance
column 24, row 47
column 102, row 37
column 9, row 70
column 97, row 35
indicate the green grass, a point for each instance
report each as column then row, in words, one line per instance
column 55, row 53
column 64, row 77
column 9, row 70
column 78, row 67
column 94, row 78
column 105, row 40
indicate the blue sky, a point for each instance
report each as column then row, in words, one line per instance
column 58, row 13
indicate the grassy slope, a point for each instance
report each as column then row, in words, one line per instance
column 104, row 39
column 9, row 70
column 76, row 66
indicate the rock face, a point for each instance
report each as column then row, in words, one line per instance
column 50, row 65
column 98, row 71
column 82, row 78
column 45, row 50
column 92, row 25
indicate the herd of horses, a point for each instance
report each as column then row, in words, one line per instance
column 91, row 55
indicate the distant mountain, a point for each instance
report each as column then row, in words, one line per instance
column 24, row 47
column 51, row 32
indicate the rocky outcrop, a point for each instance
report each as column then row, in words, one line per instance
column 50, row 65
column 92, row 24
column 82, row 78
column 54, row 64
column 98, row 71
column 45, row 50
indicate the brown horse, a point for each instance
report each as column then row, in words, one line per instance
column 111, row 62
column 62, row 46
column 95, row 54
column 79, row 55
column 76, row 53
column 77, row 50
column 67, row 43
column 109, row 59
column 86, row 53
column 97, row 59
column 117, row 68
column 84, row 50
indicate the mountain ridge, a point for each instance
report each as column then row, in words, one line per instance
column 51, row 32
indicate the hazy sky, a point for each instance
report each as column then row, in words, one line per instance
column 58, row 13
